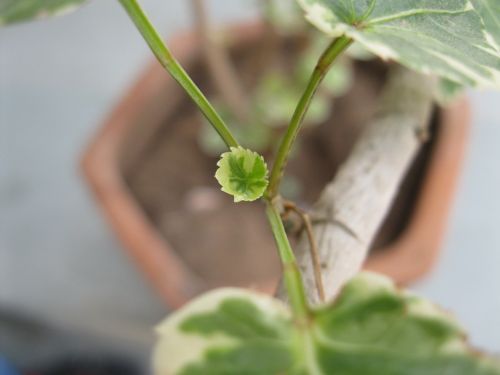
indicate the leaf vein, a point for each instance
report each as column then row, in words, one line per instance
column 413, row 12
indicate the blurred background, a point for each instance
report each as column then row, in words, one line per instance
column 60, row 264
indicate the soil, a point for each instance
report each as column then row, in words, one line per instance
column 227, row 244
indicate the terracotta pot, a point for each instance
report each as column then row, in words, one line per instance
column 155, row 95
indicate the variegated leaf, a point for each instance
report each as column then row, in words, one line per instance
column 227, row 331
column 371, row 329
column 445, row 37
column 242, row 173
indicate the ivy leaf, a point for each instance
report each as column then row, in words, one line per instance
column 227, row 331
column 446, row 38
column 372, row 328
column 12, row 11
column 243, row 174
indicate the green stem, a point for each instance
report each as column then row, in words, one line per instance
column 166, row 59
column 325, row 62
column 291, row 275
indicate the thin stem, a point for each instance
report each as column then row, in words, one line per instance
column 325, row 62
column 313, row 247
column 166, row 59
column 291, row 274
column 223, row 72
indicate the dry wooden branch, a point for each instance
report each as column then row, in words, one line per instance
column 352, row 207
column 222, row 71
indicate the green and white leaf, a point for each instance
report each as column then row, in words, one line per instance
column 489, row 10
column 12, row 11
column 445, row 37
column 243, row 174
column 371, row 329
column 227, row 331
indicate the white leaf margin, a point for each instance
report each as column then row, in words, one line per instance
column 326, row 21
column 176, row 349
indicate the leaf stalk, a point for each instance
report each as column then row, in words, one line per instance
column 334, row 49
column 173, row 67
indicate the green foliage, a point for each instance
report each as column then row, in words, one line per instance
column 371, row 329
column 447, row 37
column 12, row 11
column 489, row 10
column 226, row 331
column 243, row 174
